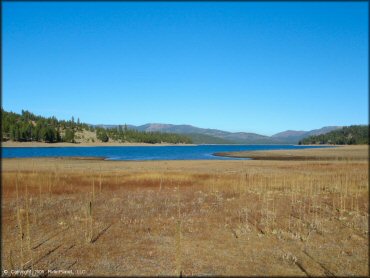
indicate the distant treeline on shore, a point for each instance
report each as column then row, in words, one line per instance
column 349, row 135
column 28, row 127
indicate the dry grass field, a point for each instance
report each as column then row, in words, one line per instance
column 251, row 217
column 354, row 152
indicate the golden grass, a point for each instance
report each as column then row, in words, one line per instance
column 194, row 218
column 352, row 152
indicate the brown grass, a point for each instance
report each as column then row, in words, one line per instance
column 352, row 152
column 194, row 218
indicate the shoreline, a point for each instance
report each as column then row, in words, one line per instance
column 12, row 144
column 91, row 158
column 97, row 144
column 339, row 152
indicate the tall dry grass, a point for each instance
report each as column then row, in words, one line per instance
column 158, row 216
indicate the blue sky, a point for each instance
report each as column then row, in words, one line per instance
column 243, row 66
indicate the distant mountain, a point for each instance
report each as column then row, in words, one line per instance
column 323, row 130
column 293, row 136
column 113, row 126
column 289, row 134
column 213, row 135
column 198, row 138
column 216, row 136
column 30, row 127
column 172, row 128
column 249, row 138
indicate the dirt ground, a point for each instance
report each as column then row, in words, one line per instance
column 244, row 217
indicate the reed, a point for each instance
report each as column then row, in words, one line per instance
column 40, row 200
column 89, row 222
column 100, row 179
column 19, row 220
column 178, row 236
column 93, row 189
column 160, row 183
column 10, row 258
column 28, row 226
column 49, row 185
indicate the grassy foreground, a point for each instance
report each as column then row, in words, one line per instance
column 351, row 152
column 254, row 217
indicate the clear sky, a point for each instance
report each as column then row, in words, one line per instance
column 242, row 66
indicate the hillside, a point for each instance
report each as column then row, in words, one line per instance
column 216, row 136
column 28, row 127
column 198, row 138
column 294, row 136
column 349, row 135
column 205, row 135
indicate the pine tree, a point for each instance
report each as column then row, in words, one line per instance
column 69, row 136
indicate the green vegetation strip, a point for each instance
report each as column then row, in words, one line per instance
column 27, row 127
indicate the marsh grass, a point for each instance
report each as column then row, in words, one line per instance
column 19, row 220
column 100, row 179
column 140, row 214
column 28, row 226
column 178, row 235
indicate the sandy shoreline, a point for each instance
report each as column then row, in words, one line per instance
column 97, row 144
column 100, row 144
column 353, row 152
column 266, row 158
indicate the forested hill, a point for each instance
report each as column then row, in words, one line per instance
column 349, row 135
column 27, row 127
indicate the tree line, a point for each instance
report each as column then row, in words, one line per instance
column 27, row 127
column 349, row 135
column 123, row 134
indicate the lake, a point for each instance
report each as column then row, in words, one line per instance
column 192, row 152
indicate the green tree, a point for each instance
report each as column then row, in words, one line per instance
column 59, row 138
column 101, row 134
column 69, row 136
column 356, row 134
column 48, row 134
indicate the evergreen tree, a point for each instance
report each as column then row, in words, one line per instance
column 348, row 135
column 29, row 127
column 69, row 136
column 59, row 138
column 101, row 134
column 48, row 134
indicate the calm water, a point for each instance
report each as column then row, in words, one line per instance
column 142, row 153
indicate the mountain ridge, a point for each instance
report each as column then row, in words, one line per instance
column 210, row 135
